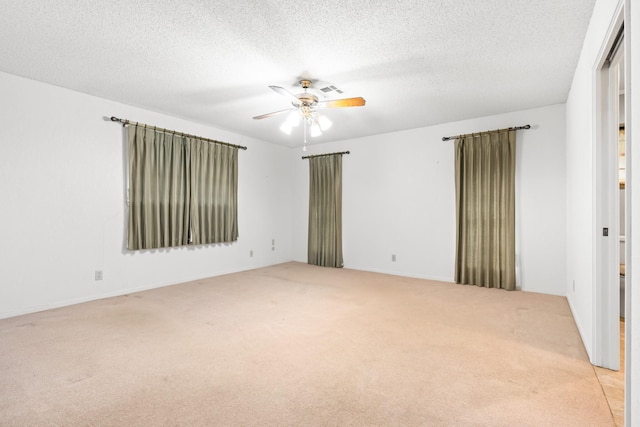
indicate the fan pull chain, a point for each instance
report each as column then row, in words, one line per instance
column 304, row 146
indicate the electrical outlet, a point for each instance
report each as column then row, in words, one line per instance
column 574, row 285
column 393, row 258
column 98, row 275
column 251, row 253
column 273, row 242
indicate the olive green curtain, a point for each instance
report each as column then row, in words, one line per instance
column 182, row 190
column 158, row 189
column 485, row 210
column 325, row 211
column 214, row 190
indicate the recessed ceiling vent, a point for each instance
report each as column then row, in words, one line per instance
column 330, row 89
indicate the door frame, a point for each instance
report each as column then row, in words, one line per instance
column 606, row 301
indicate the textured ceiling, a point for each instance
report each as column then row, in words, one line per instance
column 416, row 62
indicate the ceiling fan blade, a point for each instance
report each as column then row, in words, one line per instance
column 264, row 116
column 282, row 91
column 345, row 102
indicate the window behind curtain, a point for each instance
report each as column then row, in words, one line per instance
column 182, row 190
column 485, row 210
column 325, row 211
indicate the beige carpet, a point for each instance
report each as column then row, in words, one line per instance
column 297, row 345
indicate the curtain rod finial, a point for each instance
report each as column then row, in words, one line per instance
column 115, row 119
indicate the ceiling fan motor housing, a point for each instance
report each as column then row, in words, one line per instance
column 307, row 99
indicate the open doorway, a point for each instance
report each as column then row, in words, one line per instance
column 611, row 211
column 622, row 196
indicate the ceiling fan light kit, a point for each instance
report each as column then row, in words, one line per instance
column 324, row 122
column 315, row 130
column 305, row 108
column 293, row 120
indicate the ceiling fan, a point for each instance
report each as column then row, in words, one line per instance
column 305, row 106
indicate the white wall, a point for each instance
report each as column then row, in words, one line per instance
column 63, row 212
column 399, row 198
column 581, row 223
column 581, row 227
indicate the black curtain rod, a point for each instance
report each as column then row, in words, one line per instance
column 476, row 134
column 128, row 122
column 328, row 154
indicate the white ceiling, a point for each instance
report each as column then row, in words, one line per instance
column 416, row 62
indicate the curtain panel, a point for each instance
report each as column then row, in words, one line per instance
column 158, row 189
column 485, row 210
column 182, row 190
column 214, row 193
column 325, row 211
